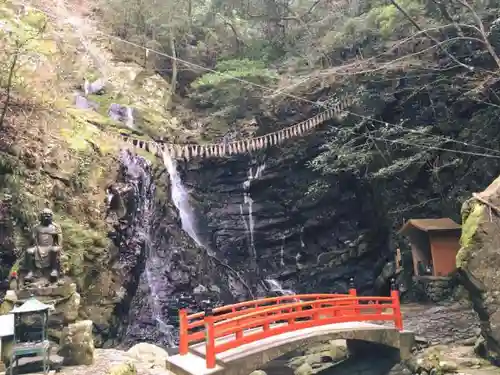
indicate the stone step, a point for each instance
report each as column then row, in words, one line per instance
column 190, row 364
column 64, row 288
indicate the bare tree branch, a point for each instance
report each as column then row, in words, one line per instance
column 482, row 30
column 434, row 40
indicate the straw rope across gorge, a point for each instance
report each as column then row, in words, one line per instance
column 190, row 151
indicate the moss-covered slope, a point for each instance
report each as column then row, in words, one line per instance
column 55, row 155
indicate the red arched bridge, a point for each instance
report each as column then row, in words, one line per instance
column 237, row 339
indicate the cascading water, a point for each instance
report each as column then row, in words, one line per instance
column 147, row 316
column 276, row 287
column 129, row 120
column 248, row 201
column 180, row 197
column 282, row 252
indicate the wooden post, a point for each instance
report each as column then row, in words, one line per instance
column 239, row 332
column 353, row 293
column 315, row 314
column 398, row 319
column 209, row 339
column 2, row 365
column 352, row 287
column 183, row 332
column 399, row 260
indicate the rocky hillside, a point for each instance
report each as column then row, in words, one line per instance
column 54, row 153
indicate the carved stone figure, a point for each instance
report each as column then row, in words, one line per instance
column 46, row 249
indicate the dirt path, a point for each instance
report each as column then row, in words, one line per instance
column 441, row 324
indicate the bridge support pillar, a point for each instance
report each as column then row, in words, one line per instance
column 406, row 343
column 400, row 346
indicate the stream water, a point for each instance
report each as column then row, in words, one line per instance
column 379, row 361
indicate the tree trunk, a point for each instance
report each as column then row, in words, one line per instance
column 173, row 82
column 12, row 70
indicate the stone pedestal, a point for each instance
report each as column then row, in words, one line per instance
column 62, row 295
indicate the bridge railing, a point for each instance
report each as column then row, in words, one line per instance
column 192, row 326
column 229, row 327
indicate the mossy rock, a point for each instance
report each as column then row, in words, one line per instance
column 472, row 219
column 79, row 243
column 127, row 368
column 5, row 307
column 7, row 345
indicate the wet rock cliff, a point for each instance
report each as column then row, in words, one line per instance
column 255, row 212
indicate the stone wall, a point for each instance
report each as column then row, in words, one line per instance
column 435, row 289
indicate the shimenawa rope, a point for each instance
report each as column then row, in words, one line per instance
column 190, row 151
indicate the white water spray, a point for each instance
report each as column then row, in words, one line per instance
column 282, row 252
column 248, row 201
column 129, row 121
column 180, row 197
column 276, row 287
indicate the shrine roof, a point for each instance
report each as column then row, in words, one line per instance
column 30, row 306
column 430, row 225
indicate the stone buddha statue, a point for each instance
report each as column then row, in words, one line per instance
column 45, row 252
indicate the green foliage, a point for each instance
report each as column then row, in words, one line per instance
column 13, row 176
column 389, row 21
column 227, row 95
column 86, row 163
column 78, row 242
column 249, row 70
column 380, row 23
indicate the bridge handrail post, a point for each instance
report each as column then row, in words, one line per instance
column 398, row 319
column 209, row 339
column 183, row 332
column 353, row 293
column 352, row 288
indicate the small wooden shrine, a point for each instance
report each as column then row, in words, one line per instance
column 434, row 245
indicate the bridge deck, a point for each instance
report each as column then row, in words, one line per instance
column 194, row 362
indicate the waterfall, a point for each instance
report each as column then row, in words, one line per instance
column 129, row 118
column 248, row 201
column 276, row 287
column 180, row 197
column 282, row 252
column 145, row 316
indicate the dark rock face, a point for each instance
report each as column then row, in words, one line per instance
column 309, row 244
column 307, row 241
column 127, row 251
